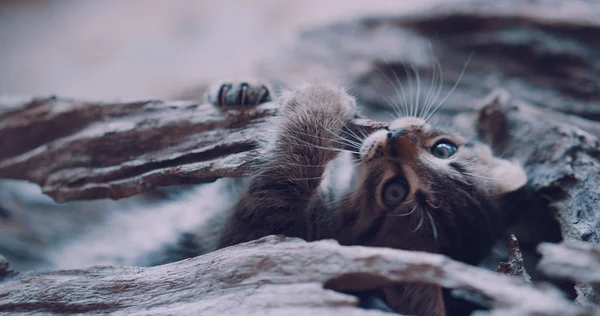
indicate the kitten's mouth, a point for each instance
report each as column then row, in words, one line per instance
column 373, row 146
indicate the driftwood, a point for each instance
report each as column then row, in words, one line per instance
column 514, row 266
column 575, row 261
column 270, row 276
column 91, row 150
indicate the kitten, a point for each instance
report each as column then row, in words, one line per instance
column 410, row 186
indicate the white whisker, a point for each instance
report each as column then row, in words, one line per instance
column 419, row 225
column 451, row 90
column 392, row 103
column 403, row 214
column 418, row 79
column 402, row 94
column 433, row 228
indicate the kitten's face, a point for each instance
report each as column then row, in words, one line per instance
column 431, row 190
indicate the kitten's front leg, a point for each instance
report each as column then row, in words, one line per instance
column 307, row 138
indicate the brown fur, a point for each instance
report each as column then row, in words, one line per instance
column 453, row 206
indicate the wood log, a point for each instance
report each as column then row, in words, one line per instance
column 90, row 150
column 270, row 276
column 574, row 261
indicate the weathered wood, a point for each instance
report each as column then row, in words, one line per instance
column 90, row 150
column 574, row 261
column 4, row 268
column 273, row 275
column 514, row 266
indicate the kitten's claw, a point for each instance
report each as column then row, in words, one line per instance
column 239, row 93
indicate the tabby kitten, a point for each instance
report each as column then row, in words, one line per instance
column 410, row 186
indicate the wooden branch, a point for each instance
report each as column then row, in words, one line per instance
column 574, row 261
column 571, row 260
column 90, row 150
column 515, row 265
column 271, row 275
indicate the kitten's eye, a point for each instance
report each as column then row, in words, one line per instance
column 443, row 149
column 394, row 192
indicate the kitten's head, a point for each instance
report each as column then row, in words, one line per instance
column 428, row 189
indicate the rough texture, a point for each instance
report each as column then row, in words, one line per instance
column 270, row 276
column 4, row 268
column 86, row 150
column 514, row 266
column 91, row 150
column 574, row 261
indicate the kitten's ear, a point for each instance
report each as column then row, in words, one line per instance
column 508, row 176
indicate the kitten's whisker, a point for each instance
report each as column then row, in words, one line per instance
column 390, row 102
column 436, row 207
column 410, row 88
column 350, row 132
column 363, row 134
column 436, row 85
column 305, row 179
column 304, row 165
column 429, row 95
column 304, row 143
column 433, row 228
column 480, row 176
column 453, row 88
column 358, row 164
column 423, row 108
column 350, row 142
column 440, row 86
column 503, row 153
column 396, row 109
column 404, row 214
column 418, row 79
column 337, row 135
column 420, row 224
column 402, row 94
column 341, row 141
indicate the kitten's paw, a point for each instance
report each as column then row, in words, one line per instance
column 329, row 100
column 239, row 93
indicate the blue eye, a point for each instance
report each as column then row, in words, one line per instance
column 394, row 192
column 443, row 149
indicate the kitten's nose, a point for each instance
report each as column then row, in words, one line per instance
column 402, row 142
column 393, row 135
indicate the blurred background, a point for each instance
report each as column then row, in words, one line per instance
column 115, row 49
column 155, row 48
